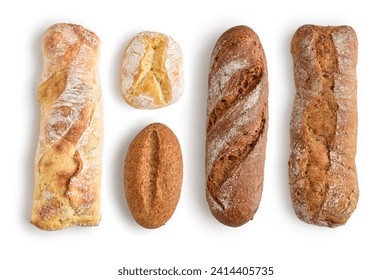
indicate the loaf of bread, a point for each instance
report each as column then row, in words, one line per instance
column 153, row 175
column 322, row 172
column 151, row 71
column 68, row 157
column 237, row 121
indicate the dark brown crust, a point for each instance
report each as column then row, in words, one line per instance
column 237, row 121
column 153, row 175
column 322, row 171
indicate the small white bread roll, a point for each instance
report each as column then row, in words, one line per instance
column 151, row 71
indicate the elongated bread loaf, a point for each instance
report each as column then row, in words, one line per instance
column 68, row 158
column 323, row 178
column 237, row 121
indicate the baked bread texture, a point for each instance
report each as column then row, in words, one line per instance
column 153, row 175
column 237, row 122
column 323, row 129
column 68, row 157
column 151, row 71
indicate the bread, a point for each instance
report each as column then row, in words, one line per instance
column 151, row 71
column 237, row 121
column 153, row 175
column 68, row 157
column 322, row 172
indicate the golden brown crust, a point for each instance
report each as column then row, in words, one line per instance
column 322, row 170
column 153, row 175
column 237, row 121
column 68, row 158
column 151, row 71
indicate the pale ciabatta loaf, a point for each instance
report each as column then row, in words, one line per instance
column 237, row 121
column 323, row 178
column 68, row 158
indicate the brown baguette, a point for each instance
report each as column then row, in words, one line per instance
column 68, row 158
column 153, row 175
column 322, row 172
column 237, row 121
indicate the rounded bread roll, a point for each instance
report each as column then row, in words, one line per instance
column 153, row 175
column 151, row 71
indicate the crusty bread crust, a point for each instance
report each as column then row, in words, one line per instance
column 322, row 172
column 68, row 157
column 151, row 71
column 237, row 121
column 153, row 175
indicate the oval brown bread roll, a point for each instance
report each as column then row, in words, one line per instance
column 237, row 121
column 153, row 175
column 68, row 158
column 323, row 178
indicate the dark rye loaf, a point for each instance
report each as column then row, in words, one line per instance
column 323, row 178
column 237, row 121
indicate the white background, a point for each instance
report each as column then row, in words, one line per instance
column 361, row 249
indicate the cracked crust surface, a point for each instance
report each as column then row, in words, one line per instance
column 153, row 175
column 68, row 157
column 323, row 128
column 151, row 71
column 237, row 120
